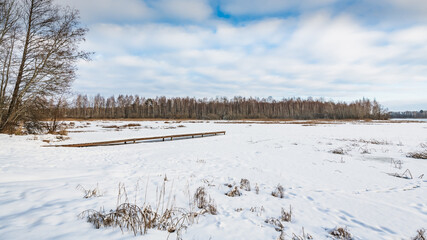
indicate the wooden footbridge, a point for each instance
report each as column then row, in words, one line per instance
column 135, row 140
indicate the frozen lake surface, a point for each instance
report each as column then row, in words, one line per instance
column 39, row 199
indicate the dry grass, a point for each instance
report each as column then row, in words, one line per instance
column 130, row 125
column 111, row 126
column 376, row 142
column 62, row 138
column 256, row 188
column 397, row 163
column 276, row 223
column 313, row 121
column 418, row 155
column 124, row 119
column 341, row 233
column 279, row 191
column 286, row 216
column 136, row 219
column 364, row 150
column 370, row 141
column 18, row 130
column 201, row 161
column 234, row 192
column 304, row 236
column 63, row 132
column 202, row 201
column 139, row 219
column 245, row 184
column 421, row 235
column 258, row 210
column 88, row 193
column 406, row 174
column 338, row 151
column 286, row 121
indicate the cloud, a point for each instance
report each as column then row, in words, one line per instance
column 319, row 52
column 133, row 11
column 110, row 10
column 196, row 10
column 262, row 7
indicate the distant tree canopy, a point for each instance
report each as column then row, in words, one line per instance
column 409, row 114
column 129, row 106
column 38, row 54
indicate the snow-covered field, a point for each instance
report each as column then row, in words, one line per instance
column 39, row 199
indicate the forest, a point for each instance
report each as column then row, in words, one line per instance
column 134, row 106
column 409, row 114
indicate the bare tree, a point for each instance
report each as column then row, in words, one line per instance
column 46, row 50
column 128, row 106
column 8, row 31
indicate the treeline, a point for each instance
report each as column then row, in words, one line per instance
column 409, row 114
column 129, row 106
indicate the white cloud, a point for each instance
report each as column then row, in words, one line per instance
column 261, row 7
column 196, row 10
column 319, row 54
column 110, row 10
column 123, row 11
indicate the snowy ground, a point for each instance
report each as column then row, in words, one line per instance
column 39, row 199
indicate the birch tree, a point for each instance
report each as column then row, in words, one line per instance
column 43, row 52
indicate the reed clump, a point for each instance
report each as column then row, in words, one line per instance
column 138, row 219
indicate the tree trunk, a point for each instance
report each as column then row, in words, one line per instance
column 14, row 99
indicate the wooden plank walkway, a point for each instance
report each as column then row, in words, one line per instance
column 134, row 140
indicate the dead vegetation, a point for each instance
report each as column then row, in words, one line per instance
column 61, row 138
column 40, row 127
column 278, row 226
column 376, row 142
column 88, row 193
column 397, row 163
column 139, row 219
column 201, row 161
column 286, row 216
column 303, row 236
column 364, row 150
column 277, row 222
column 418, row 155
column 205, row 202
column 238, row 209
column 286, row 121
column 258, row 210
column 130, row 126
column 245, row 184
column 421, row 235
column 341, row 233
column 256, row 188
column 278, row 192
column 234, row 192
column 406, row 174
column 370, row 141
column 338, row 151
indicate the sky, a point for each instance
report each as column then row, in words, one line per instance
column 333, row 49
